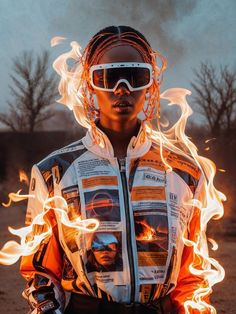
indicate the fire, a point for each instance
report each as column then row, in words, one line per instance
column 71, row 89
column 57, row 40
column 16, row 197
column 210, row 139
column 30, row 239
column 210, row 205
column 148, row 233
column 23, row 177
column 214, row 244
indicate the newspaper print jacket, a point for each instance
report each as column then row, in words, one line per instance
column 143, row 213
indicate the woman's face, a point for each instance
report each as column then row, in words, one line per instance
column 108, row 102
column 105, row 257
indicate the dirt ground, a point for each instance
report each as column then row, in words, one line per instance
column 11, row 283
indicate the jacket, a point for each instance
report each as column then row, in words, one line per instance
column 137, row 254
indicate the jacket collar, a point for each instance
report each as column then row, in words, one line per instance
column 137, row 147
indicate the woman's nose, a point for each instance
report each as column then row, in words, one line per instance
column 122, row 89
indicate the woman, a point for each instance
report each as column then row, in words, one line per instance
column 118, row 174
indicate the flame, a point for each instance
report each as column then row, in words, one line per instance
column 165, row 122
column 16, row 197
column 30, row 240
column 23, row 177
column 210, row 139
column 214, row 244
column 56, row 40
column 148, row 233
column 175, row 139
column 210, row 205
column 72, row 88
column 221, row 170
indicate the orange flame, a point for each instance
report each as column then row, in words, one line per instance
column 148, row 233
column 23, row 177
column 210, row 139
column 30, row 241
column 211, row 206
column 16, row 197
column 174, row 139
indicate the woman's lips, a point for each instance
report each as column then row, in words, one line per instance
column 122, row 103
column 122, row 107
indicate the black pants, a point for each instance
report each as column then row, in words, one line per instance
column 83, row 304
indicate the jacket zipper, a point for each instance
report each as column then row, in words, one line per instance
column 128, row 229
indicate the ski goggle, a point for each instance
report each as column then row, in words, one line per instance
column 108, row 76
column 101, row 247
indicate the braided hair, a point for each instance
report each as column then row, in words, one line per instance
column 75, row 88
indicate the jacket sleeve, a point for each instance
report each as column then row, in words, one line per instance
column 187, row 282
column 42, row 270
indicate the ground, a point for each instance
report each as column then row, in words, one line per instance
column 11, row 283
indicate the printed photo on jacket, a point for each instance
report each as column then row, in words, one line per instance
column 104, row 254
column 103, row 204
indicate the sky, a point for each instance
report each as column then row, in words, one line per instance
column 187, row 32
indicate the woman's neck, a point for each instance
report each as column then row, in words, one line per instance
column 120, row 136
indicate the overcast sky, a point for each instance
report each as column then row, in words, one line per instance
column 187, row 32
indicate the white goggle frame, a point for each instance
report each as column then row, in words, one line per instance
column 121, row 65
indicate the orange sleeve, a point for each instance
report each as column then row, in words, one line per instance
column 187, row 282
column 48, row 258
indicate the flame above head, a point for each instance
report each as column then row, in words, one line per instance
column 31, row 236
column 72, row 86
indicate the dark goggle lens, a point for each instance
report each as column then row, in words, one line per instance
column 107, row 78
column 108, row 247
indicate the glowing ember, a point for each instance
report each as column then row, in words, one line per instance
column 211, row 139
column 207, row 148
column 221, row 170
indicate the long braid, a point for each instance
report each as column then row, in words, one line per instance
column 75, row 87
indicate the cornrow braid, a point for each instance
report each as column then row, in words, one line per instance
column 119, row 36
column 116, row 33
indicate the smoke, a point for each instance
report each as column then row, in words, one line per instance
column 155, row 19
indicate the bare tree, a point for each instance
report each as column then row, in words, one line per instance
column 33, row 92
column 216, row 97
